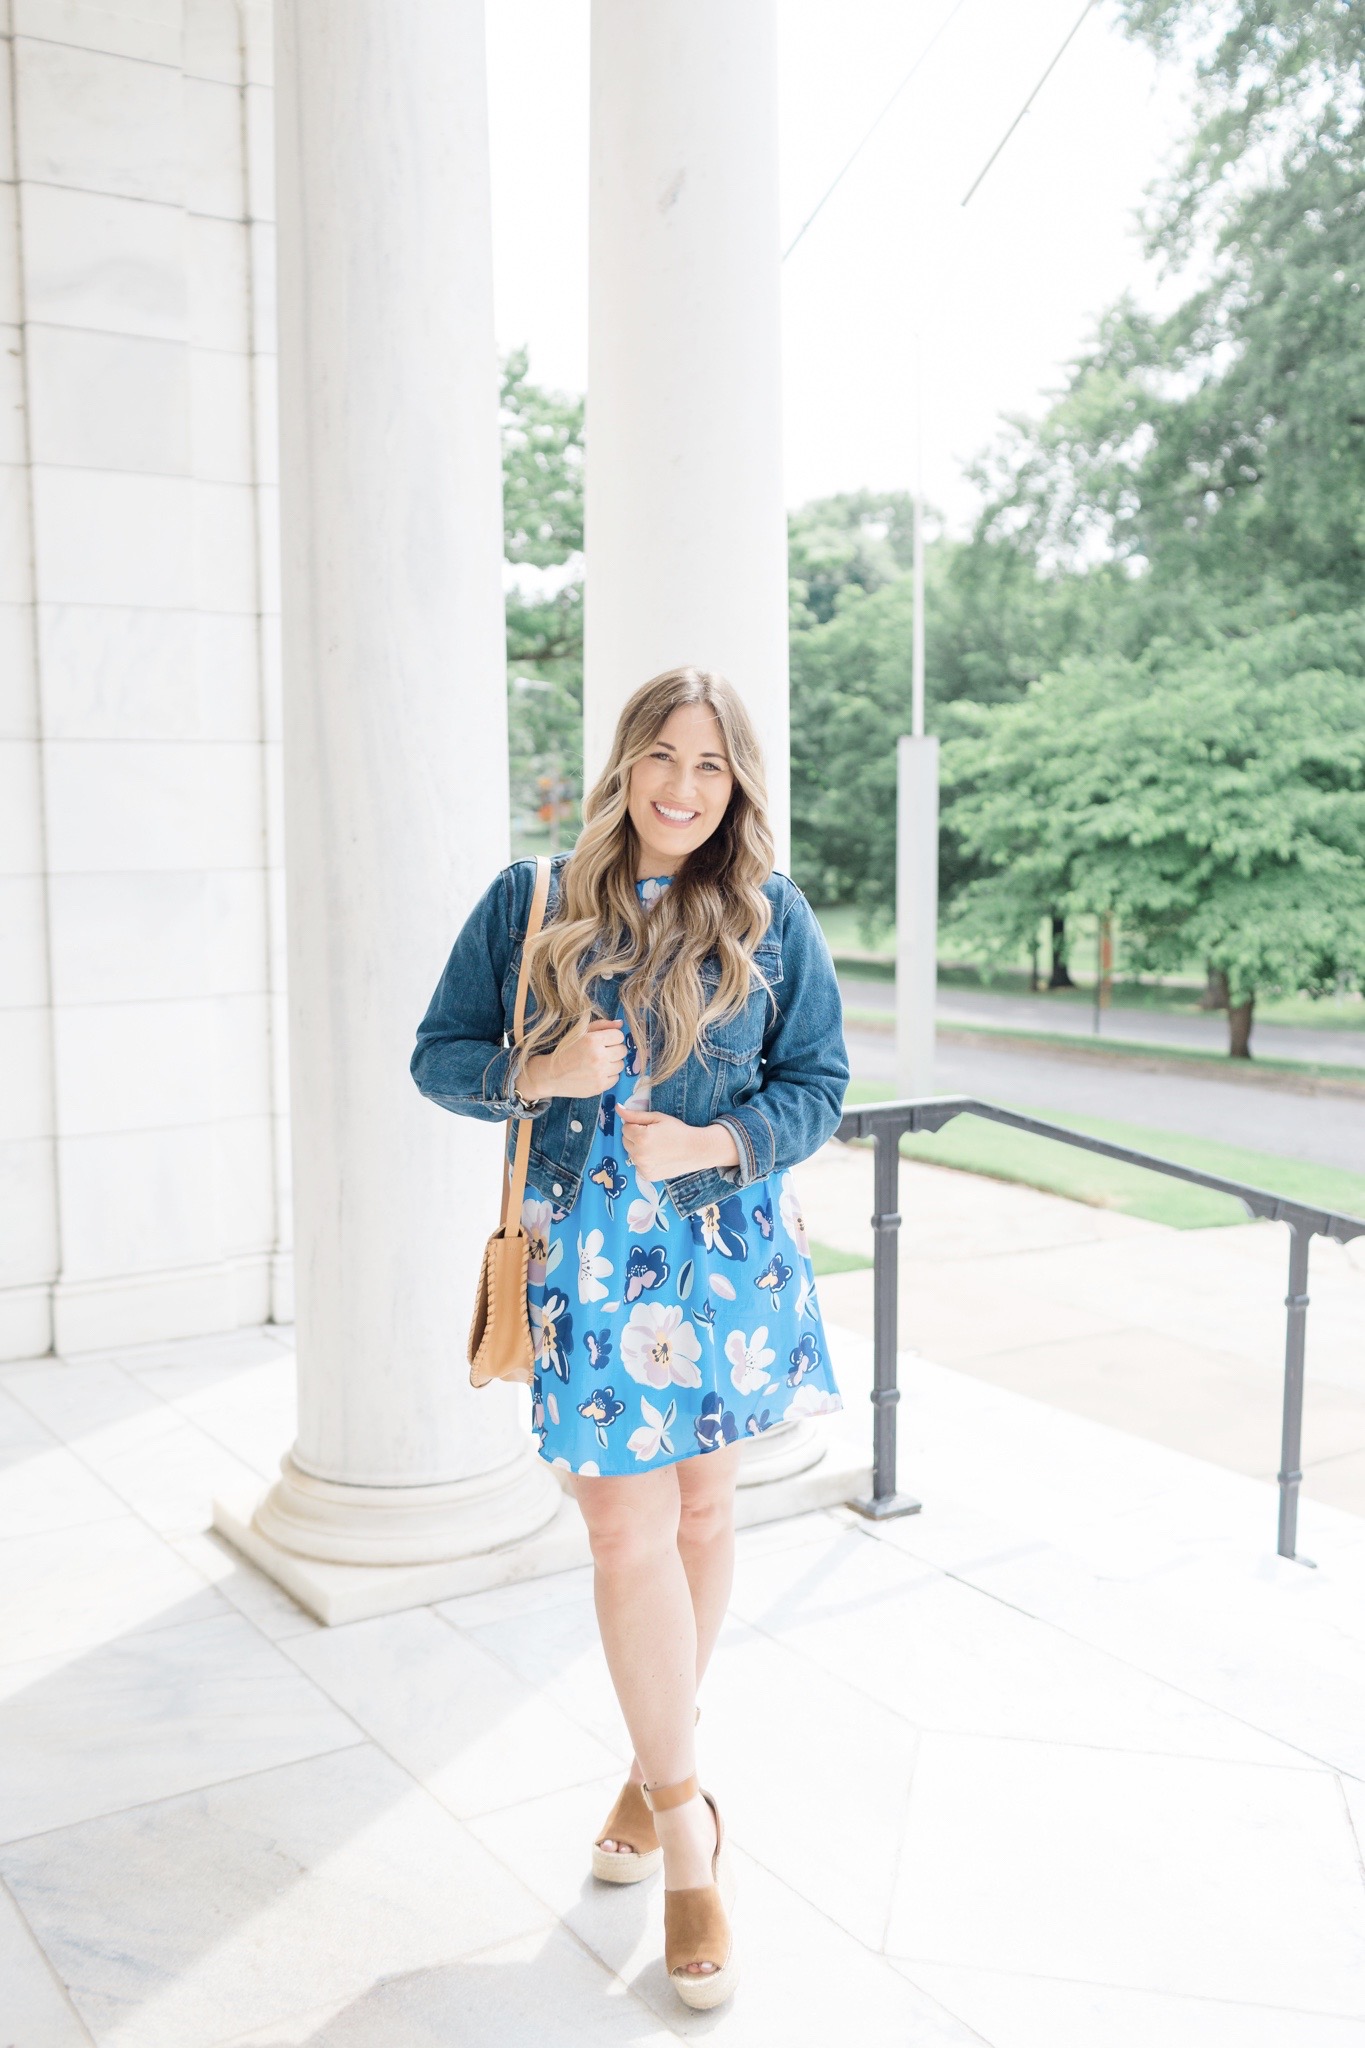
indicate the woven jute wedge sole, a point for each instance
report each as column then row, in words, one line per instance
column 630, row 1820
column 697, row 1917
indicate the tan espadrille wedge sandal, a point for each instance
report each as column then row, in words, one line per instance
column 696, row 1917
column 630, row 1820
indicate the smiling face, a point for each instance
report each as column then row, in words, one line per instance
column 679, row 790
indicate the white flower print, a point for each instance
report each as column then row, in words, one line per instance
column 723, row 1287
column 805, row 1304
column 591, row 1267
column 643, row 1216
column 749, row 1361
column 652, row 1435
column 638, row 1097
column 810, row 1400
column 553, row 1406
column 589, row 1468
column 535, row 1221
column 793, row 1222
column 658, row 1348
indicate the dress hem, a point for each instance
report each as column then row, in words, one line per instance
column 561, row 1463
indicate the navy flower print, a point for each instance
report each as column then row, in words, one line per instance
column 715, row 1425
column 608, row 1176
column 601, row 1409
column 597, row 1344
column 774, row 1276
column 804, row 1359
column 719, row 1227
column 644, row 1269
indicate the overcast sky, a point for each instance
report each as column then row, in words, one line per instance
column 1000, row 294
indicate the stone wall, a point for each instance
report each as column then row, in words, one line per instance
column 143, row 1133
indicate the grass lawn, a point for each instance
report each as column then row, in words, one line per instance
column 992, row 1149
column 1179, row 997
column 825, row 1259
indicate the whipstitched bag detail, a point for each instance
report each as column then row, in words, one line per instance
column 500, row 1343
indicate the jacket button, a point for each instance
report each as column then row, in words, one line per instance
column 574, row 1124
column 556, row 1189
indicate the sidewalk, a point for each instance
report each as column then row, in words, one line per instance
column 1070, row 1759
column 1176, row 1335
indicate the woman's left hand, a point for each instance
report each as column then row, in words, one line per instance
column 661, row 1147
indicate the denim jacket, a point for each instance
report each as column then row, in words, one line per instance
column 774, row 1074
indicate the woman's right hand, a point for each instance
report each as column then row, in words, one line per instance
column 588, row 1065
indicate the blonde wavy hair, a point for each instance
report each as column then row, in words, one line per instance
column 715, row 904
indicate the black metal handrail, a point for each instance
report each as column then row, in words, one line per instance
column 886, row 1123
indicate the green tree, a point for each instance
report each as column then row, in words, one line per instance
column 542, row 458
column 1212, row 800
column 993, row 624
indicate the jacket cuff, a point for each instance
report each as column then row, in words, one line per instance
column 756, row 1140
column 712, row 1185
column 499, row 1081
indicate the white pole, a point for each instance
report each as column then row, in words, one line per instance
column 916, row 912
column 917, row 655
column 685, row 523
column 916, row 841
column 395, row 793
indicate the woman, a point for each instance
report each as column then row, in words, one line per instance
column 684, row 1050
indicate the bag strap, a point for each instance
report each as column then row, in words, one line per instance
column 514, row 1186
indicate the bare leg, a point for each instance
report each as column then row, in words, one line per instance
column 649, row 1634
column 706, row 1544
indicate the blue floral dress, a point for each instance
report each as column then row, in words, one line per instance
column 660, row 1336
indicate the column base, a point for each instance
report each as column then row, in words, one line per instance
column 337, row 1592
column 781, row 1452
column 405, row 1525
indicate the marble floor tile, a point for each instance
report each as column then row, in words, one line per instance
column 19, row 1429
column 96, row 1405
column 243, row 1587
column 149, row 1716
column 44, row 1487
column 1014, row 2011
column 178, row 1924
column 805, row 1983
column 536, row 1989
column 526, row 1596
column 466, row 1727
column 1225, row 1881
column 66, row 1590
column 946, row 1655
column 811, row 1773
column 203, row 1361
column 558, row 1650
column 35, row 2011
column 155, row 1459
column 251, row 1412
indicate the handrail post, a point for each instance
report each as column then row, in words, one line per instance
column 1291, row 1428
column 884, row 1501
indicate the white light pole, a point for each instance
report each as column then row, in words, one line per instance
column 916, row 844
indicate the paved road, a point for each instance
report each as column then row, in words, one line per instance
column 1325, row 1129
column 1149, row 1027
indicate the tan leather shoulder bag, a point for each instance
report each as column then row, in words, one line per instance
column 500, row 1342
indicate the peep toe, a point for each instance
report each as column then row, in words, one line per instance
column 696, row 1917
column 629, row 1821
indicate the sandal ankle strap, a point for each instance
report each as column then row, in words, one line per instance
column 660, row 1798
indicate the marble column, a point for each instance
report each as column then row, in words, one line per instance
column 685, row 524
column 395, row 788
